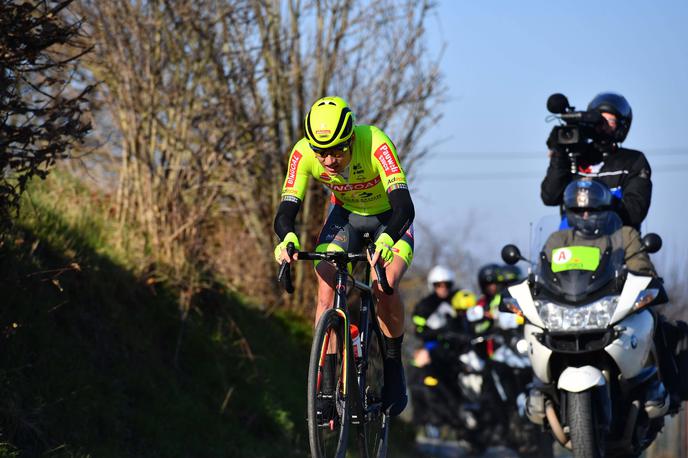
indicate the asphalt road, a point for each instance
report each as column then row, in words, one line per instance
column 453, row 449
column 429, row 448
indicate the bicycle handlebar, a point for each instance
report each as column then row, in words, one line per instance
column 381, row 274
column 284, row 275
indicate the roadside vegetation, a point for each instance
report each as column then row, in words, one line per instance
column 88, row 350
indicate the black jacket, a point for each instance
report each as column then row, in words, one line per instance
column 625, row 171
column 433, row 317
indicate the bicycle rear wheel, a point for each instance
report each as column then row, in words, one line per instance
column 374, row 428
column 328, row 432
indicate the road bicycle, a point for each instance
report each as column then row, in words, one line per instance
column 357, row 398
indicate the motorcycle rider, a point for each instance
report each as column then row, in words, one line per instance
column 438, row 319
column 490, row 279
column 626, row 172
column 590, row 215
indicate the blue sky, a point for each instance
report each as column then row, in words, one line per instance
column 501, row 62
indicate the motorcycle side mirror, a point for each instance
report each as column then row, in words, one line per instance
column 511, row 254
column 652, row 243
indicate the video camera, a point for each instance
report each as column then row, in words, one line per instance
column 579, row 128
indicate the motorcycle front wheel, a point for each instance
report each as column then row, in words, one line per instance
column 587, row 438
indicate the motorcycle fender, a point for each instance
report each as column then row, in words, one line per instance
column 631, row 348
column 538, row 353
column 577, row 379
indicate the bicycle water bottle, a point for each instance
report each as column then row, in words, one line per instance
column 355, row 340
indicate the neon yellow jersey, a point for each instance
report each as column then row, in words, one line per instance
column 362, row 187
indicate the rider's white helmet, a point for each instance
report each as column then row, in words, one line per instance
column 439, row 274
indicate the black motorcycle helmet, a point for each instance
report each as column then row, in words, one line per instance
column 609, row 102
column 588, row 207
column 489, row 273
column 511, row 273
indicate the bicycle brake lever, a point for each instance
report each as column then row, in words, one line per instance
column 381, row 273
column 284, row 275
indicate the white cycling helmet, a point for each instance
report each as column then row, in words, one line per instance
column 439, row 274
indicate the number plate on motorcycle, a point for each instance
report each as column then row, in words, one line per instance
column 575, row 258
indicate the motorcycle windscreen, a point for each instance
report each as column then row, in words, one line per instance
column 576, row 273
column 540, row 232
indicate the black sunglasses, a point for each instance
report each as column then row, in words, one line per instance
column 336, row 151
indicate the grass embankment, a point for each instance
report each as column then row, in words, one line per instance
column 87, row 351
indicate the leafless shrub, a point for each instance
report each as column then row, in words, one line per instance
column 42, row 109
column 204, row 99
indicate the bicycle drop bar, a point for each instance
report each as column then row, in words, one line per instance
column 337, row 257
column 284, row 275
column 381, row 274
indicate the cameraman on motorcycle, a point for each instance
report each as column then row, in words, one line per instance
column 438, row 318
column 626, row 172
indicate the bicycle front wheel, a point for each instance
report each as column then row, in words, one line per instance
column 328, row 413
column 374, row 428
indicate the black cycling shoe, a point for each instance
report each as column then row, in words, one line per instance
column 394, row 395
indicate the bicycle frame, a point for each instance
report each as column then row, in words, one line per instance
column 366, row 326
column 363, row 408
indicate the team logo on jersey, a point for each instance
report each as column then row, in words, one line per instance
column 325, row 177
column 353, row 186
column 387, row 159
column 293, row 167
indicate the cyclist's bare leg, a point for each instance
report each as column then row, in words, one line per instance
column 390, row 309
column 325, row 273
column 390, row 312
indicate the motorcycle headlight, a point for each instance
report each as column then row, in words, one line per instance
column 577, row 318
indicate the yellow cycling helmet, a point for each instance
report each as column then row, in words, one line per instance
column 463, row 300
column 328, row 123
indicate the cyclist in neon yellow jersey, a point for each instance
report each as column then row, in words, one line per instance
column 359, row 164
